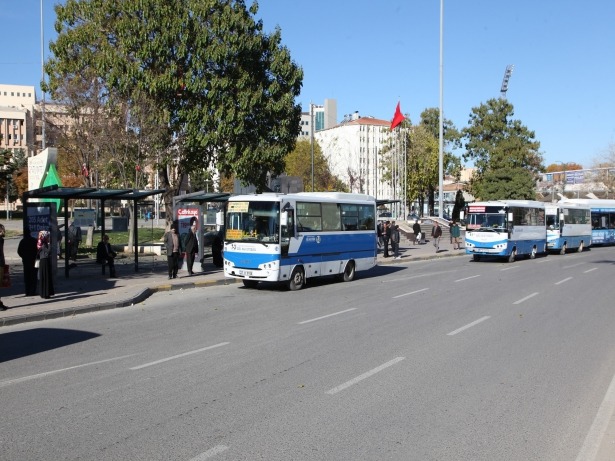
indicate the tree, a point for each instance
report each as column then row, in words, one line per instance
column 224, row 89
column 502, row 150
column 299, row 163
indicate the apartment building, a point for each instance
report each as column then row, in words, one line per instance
column 353, row 151
column 17, row 118
column 320, row 117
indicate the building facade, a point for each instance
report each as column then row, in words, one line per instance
column 18, row 118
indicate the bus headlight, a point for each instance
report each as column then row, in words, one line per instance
column 270, row 266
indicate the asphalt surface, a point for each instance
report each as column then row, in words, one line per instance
column 87, row 290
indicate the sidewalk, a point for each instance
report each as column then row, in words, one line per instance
column 87, row 290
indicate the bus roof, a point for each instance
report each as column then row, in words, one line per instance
column 308, row 196
column 526, row 203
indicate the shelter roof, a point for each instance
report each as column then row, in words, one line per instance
column 55, row 192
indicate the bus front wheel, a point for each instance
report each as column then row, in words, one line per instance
column 580, row 250
column 533, row 253
column 297, row 279
column 562, row 251
column 513, row 255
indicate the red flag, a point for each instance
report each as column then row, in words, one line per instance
column 397, row 118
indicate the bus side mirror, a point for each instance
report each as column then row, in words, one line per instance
column 284, row 218
column 510, row 218
column 461, row 215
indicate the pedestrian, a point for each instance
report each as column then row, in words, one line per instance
column 171, row 243
column 106, row 255
column 192, row 246
column 436, row 233
column 416, row 228
column 2, row 262
column 379, row 233
column 395, row 237
column 386, row 237
column 74, row 239
column 27, row 252
column 45, row 273
column 455, row 234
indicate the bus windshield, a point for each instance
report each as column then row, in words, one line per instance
column 254, row 221
column 486, row 221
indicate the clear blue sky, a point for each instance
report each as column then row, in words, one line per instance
column 369, row 55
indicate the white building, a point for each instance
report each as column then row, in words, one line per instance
column 17, row 118
column 353, row 151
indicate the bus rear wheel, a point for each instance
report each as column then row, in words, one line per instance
column 533, row 253
column 512, row 256
column 476, row 258
column 297, row 279
column 349, row 272
column 250, row 283
column 562, row 251
column 580, row 249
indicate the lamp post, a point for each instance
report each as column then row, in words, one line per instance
column 312, row 140
column 441, row 127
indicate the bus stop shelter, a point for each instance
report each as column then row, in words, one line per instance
column 80, row 193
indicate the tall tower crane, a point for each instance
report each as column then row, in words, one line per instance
column 507, row 73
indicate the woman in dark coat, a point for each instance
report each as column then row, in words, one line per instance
column 27, row 251
column 45, row 274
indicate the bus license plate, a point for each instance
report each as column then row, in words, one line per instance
column 242, row 272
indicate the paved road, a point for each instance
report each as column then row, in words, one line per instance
column 437, row 359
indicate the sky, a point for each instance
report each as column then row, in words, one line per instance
column 369, row 56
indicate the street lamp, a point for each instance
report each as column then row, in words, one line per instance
column 312, row 140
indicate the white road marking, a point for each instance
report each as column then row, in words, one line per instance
column 526, row 298
column 49, row 373
column 469, row 325
column 178, row 356
column 574, row 265
column 510, row 267
column 411, row 293
column 590, row 270
column 563, row 281
column 428, row 274
column 325, row 316
column 347, row 384
column 209, row 453
column 591, row 446
column 467, row 278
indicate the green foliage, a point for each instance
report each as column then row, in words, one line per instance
column 225, row 89
column 10, row 164
column 501, row 147
column 508, row 183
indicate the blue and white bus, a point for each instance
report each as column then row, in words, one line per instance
column 505, row 228
column 602, row 219
column 293, row 237
column 568, row 227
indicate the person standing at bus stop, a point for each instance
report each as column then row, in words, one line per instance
column 171, row 244
column 192, row 246
column 395, row 237
column 386, row 237
column 455, row 234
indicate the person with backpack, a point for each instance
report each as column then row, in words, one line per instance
column 436, row 233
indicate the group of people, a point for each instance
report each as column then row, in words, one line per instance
column 173, row 245
column 35, row 254
column 388, row 232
